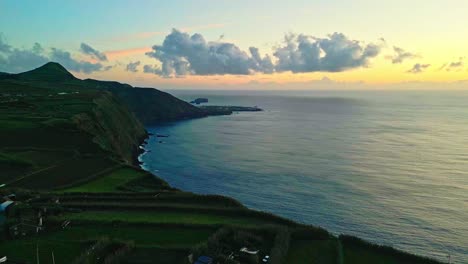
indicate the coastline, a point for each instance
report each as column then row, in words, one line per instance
column 345, row 238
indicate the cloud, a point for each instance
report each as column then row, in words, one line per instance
column 264, row 64
column 18, row 60
column 152, row 69
column 65, row 58
column 336, row 53
column 453, row 66
column 4, row 47
column 88, row 50
column 401, row 55
column 15, row 60
column 182, row 54
column 133, row 66
column 418, row 68
column 456, row 65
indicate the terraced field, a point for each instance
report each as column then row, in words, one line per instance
column 67, row 156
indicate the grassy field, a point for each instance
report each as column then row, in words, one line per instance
column 55, row 134
column 156, row 255
column 24, row 250
column 164, row 217
column 40, row 143
column 142, row 236
column 356, row 254
column 312, row 252
column 64, row 173
column 67, row 244
column 110, row 182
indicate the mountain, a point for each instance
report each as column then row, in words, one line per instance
column 49, row 72
column 148, row 104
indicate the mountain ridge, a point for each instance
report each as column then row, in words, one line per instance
column 150, row 105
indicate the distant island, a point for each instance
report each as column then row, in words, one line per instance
column 72, row 190
column 227, row 110
column 199, row 101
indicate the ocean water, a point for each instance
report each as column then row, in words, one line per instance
column 389, row 167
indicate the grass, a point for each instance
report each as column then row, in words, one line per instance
column 70, row 243
column 356, row 254
column 17, row 124
column 156, row 255
column 356, row 250
column 65, row 173
column 164, row 217
column 12, row 166
column 24, row 250
column 110, row 182
column 312, row 252
column 147, row 236
column 43, row 158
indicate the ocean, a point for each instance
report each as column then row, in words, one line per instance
column 387, row 166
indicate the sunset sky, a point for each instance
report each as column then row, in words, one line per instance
column 243, row 44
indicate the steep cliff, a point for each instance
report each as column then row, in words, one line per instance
column 113, row 127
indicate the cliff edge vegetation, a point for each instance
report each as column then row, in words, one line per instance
column 72, row 193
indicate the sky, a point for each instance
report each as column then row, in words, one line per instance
column 208, row 44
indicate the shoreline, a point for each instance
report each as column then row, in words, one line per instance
column 354, row 238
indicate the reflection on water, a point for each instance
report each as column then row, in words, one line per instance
column 390, row 167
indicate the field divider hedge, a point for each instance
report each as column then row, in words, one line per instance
column 199, row 210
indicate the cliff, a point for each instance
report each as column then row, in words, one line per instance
column 113, row 126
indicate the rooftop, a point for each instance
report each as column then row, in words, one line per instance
column 4, row 205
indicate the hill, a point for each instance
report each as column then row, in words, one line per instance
column 67, row 149
column 149, row 105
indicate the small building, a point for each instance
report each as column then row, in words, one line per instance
column 4, row 206
column 204, row 260
column 3, row 211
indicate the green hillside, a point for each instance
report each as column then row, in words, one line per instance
column 67, row 161
column 148, row 104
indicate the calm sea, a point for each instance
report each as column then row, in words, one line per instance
column 390, row 167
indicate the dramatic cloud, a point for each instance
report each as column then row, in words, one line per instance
column 133, row 66
column 152, row 69
column 265, row 63
column 18, row 60
column 86, row 49
column 15, row 60
column 182, row 54
column 418, row 68
column 401, row 55
column 336, row 53
column 65, row 58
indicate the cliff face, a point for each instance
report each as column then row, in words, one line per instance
column 113, row 127
column 148, row 104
